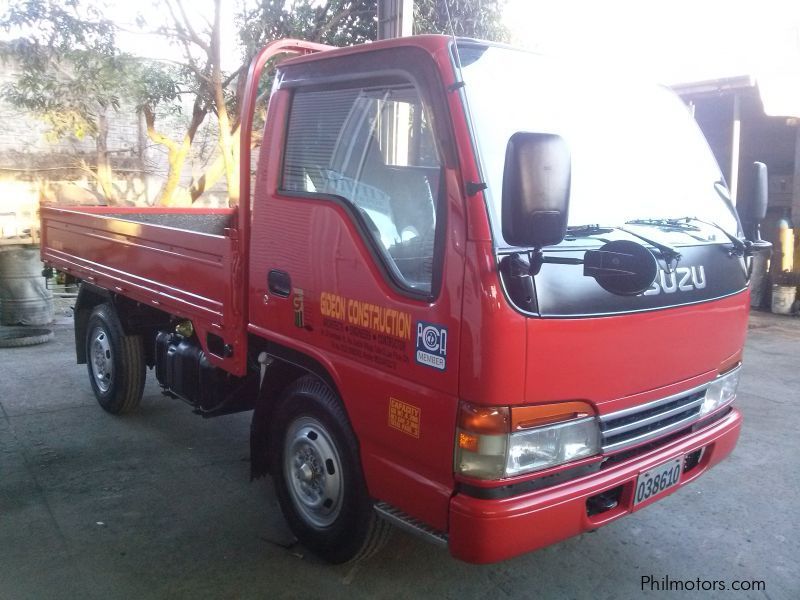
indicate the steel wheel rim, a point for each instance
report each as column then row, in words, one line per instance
column 101, row 359
column 313, row 472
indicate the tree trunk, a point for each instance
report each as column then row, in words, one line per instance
column 217, row 169
column 105, row 179
column 226, row 146
column 176, row 154
column 228, row 158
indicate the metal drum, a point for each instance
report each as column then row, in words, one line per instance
column 24, row 297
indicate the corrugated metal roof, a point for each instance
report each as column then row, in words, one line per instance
column 779, row 92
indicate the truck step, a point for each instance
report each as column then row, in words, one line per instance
column 400, row 519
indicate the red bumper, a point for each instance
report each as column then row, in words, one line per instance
column 485, row 531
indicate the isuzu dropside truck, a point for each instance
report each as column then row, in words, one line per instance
column 484, row 295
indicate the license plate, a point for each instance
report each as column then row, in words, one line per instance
column 654, row 481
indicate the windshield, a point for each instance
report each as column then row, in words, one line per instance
column 636, row 151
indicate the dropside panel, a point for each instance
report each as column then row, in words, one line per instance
column 184, row 273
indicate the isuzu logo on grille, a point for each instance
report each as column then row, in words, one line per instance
column 682, row 279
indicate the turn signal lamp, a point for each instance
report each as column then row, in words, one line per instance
column 482, row 440
column 500, row 441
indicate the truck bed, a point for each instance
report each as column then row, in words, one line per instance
column 212, row 221
column 178, row 260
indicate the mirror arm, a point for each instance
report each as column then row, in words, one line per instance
column 537, row 259
column 621, row 267
column 754, row 244
column 752, row 247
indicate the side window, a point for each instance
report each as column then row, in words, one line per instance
column 374, row 147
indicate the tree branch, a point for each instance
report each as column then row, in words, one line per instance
column 338, row 18
column 184, row 35
column 156, row 136
column 188, row 24
column 227, row 81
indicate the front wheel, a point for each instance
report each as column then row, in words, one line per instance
column 115, row 362
column 318, row 476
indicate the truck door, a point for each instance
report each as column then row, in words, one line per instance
column 357, row 260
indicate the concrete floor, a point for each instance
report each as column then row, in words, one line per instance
column 158, row 505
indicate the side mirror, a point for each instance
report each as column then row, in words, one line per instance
column 536, row 187
column 758, row 206
column 755, row 210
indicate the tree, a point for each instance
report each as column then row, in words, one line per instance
column 203, row 77
column 69, row 72
column 350, row 22
column 335, row 22
column 158, row 88
column 73, row 73
column 467, row 18
column 193, row 78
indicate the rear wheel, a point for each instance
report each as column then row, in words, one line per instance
column 115, row 362
column 318, row 476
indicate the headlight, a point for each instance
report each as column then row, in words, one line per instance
column 497, row 442
column 554, row 445
column 722, row 391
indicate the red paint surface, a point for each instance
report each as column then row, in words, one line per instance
column 485, row 531
column 184, row 273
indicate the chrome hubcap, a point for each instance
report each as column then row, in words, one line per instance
column 313, row 472
column 306, row 473
column 101, row 360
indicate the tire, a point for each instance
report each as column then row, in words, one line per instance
column 115, row 362
column 17, row 337
column 318, row 478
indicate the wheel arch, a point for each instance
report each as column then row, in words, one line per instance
column 136, row 318
column 89, row 296
column 288, row 365
column 318, row 475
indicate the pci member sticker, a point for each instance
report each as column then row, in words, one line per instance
column 431, row 349
column 404, row 417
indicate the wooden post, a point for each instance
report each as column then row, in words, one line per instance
column 736, row 136
column 796, row 181
column 395, row 18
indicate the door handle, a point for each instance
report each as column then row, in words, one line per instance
column 279, row 283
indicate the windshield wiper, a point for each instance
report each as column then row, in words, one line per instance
column 739, row 246
column 665, row 223
column 670, row 255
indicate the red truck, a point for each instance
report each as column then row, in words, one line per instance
column 477, row 293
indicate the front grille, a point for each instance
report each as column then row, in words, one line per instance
column 641, row 424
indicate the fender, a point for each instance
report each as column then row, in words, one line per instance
column 287, row 366
column 89, row 296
